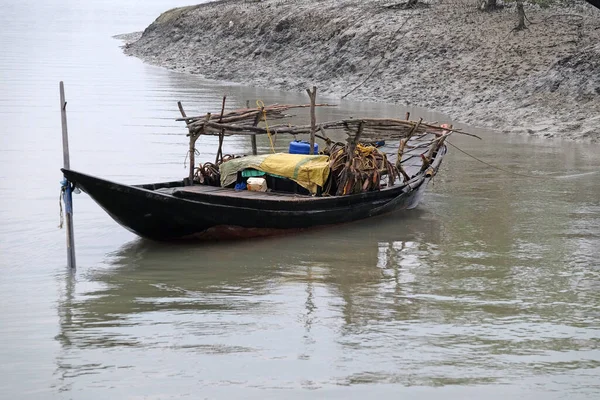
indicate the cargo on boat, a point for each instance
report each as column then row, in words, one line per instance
column 384, row 165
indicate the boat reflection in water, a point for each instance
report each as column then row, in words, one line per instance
column 392, row 300
column 316, row 289
column 145, row 276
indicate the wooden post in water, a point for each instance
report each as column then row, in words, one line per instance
column 253, row 136
column 313, row 118
column 67, row 188
column 219, row 156
column 254, row 147
column 255, row 124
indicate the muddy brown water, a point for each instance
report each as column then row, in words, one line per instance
column 490, row 288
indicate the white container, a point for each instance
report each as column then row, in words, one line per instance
column 257, row 184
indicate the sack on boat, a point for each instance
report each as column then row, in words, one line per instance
column 257, row 184
column 307, row 171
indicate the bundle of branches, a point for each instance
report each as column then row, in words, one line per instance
column 357, row 169
column 246, row 121
column 209, row 174
column 214, row 123
column 373, row 128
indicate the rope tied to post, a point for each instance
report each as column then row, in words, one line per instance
column 66, row 189
column 63, row 188
column 187, row 154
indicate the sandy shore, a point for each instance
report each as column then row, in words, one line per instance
column 446, row 56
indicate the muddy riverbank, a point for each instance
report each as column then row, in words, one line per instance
column 445, row 55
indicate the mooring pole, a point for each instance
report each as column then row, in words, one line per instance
column 253, row 136
column 313, row 119
column 67, row 186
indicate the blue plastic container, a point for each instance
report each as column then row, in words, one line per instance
column 302, row 147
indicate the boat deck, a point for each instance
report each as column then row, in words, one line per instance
column 244, row 194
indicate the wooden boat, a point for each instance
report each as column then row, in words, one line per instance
column 192, row 208
column 174, row 210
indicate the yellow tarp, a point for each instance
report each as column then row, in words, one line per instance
column 307, row 171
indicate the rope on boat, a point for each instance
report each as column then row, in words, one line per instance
column 209, row 173
column 187, row 154
column 261, row 105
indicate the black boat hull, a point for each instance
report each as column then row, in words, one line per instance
column 159, row 216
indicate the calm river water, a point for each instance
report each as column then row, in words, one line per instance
column 490, row 289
